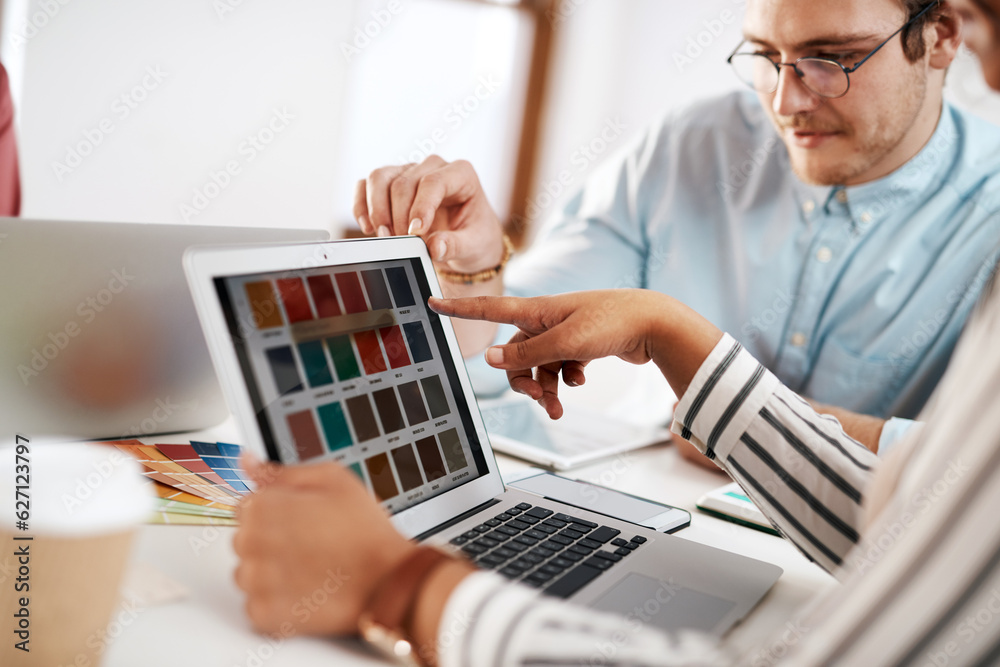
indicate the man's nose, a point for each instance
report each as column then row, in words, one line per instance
column 792, row 96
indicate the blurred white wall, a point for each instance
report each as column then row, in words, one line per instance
column 226, row 71
column 133, row 110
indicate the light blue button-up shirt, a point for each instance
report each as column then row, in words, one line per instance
column 851, row 296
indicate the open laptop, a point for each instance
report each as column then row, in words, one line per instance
column 98, row 334
column 329, row 352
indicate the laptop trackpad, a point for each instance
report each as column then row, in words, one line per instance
column 663, row 604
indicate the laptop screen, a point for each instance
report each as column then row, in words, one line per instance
column 347, row 363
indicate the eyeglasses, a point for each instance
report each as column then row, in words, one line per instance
column 822, row 76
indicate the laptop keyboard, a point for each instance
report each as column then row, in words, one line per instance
column 556, row 552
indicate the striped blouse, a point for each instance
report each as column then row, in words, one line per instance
column 914, row 539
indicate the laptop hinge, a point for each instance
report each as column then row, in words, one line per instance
column 451, row 522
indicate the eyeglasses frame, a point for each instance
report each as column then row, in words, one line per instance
column 847, row 71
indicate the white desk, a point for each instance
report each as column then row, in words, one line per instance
column 210, row 628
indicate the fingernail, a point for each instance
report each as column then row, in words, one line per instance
column 573, row 383
column 442, row 249
column 383, row 231
column 415, row 226
column 365, row 223
column 494, row 356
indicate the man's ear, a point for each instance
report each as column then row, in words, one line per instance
column 944, row 36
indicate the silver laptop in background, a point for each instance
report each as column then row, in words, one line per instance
column 98, row 335
column 328, row 352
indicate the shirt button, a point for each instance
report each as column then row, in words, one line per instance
column 809, row 207
column 842, row 196
column 866, row 217
column 798, row 339
column 824, row 255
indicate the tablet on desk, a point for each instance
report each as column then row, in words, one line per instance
column 519, row 427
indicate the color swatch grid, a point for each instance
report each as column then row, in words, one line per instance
column 347, row 368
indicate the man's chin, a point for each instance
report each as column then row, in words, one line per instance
column 816, row 171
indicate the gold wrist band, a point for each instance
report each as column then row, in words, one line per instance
column 387, row 619
column 481, row 276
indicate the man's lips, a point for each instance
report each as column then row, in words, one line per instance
column 810, row 138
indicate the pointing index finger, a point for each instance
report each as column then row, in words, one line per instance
column 499, row 309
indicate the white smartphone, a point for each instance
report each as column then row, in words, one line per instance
column 602, row 500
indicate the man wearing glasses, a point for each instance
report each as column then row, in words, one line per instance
column 841, row 221
column 920, row 579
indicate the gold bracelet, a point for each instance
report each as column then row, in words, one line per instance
column 386, row 622
column 481, row 276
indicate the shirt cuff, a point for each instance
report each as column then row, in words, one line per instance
column 893, row 432
column 725, row 395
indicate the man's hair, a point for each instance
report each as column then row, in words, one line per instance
column 914, row 46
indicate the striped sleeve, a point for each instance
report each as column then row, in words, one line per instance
column 799, row 467
column 924, row 583
column 490, row 622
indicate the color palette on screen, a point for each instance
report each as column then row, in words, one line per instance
column 293, row 300
column 409, row 466
column 347, row 357
column 358, row 419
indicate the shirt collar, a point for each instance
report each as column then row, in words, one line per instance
column 865, row 203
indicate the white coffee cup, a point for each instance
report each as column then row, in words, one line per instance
column 59, row 577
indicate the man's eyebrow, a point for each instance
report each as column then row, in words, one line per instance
column 826, row 40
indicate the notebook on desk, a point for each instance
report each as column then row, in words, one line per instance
column 329, row 352
column 98, row 335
